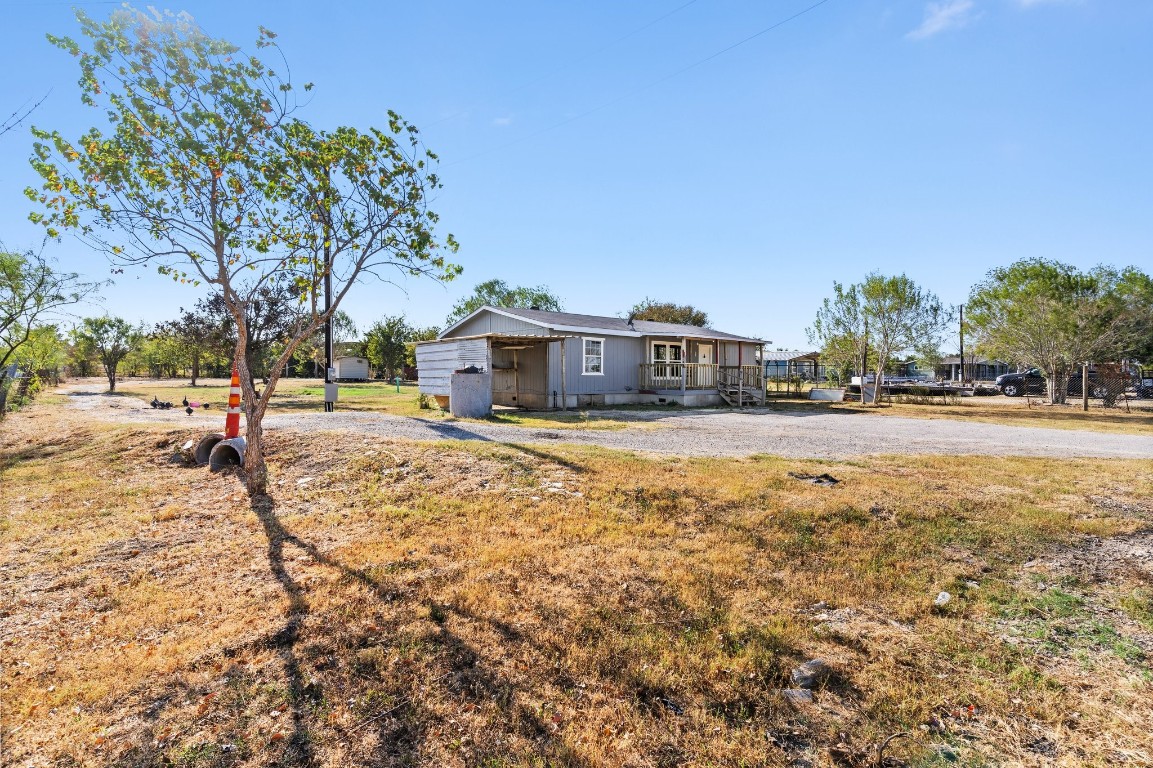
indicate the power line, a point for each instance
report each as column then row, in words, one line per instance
column 569, row 64
column 641, row 89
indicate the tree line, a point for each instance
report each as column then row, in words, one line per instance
column 1034, row 312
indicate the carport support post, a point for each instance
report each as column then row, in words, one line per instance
column 563, row 376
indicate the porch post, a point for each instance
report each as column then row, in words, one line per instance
column 740, row 375
column 563, row 376
column 760, row 378
column 684, row 366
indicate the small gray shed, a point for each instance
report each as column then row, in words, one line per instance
column 351, row 369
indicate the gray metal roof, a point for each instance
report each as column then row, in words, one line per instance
column 619, row 325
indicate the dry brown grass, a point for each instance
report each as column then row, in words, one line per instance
column 1017, row 412
column 400, row 603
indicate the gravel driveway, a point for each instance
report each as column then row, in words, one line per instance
column 797, row 434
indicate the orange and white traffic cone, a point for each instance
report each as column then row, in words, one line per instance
column 232, row 418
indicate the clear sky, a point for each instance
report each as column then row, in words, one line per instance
column 620, row 150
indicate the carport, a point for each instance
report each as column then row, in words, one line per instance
column 526, row 368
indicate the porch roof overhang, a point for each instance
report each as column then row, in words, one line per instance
column 504, row 340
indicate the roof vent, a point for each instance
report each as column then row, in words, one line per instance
column 534, row 306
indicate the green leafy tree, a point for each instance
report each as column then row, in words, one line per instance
column 841, row 331
column 386, row 344
column 1054, row 316
column 201, row 169
column 30, row 292
column 198, row 335
column 45, row 351
column 668, row 312
column 885, row 316
column 903, row 318
column 273, row 314
column 498, row 293
column 111, row 339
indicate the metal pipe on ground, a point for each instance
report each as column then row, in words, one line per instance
column 227, row 453
column 204, row 447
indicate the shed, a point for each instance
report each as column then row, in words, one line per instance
column 351, row 369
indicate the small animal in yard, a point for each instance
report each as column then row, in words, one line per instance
column 155, row 403
column 184, row 402
column 189, row 411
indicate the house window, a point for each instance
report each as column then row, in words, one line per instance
column 594, row 350
column 667, row 358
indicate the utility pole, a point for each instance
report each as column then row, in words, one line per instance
column 961, row 329
column 329, row 385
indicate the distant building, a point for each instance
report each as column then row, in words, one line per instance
column 351, row 369
column 783, row 364
column 976, row 369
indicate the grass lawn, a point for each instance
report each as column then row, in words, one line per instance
column 374, row 396
column 290, row 394
column 484, row 604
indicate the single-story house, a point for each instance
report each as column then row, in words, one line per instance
column 351, row 369
column 540, row 360
column 976, row 369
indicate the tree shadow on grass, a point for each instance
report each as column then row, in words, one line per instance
column 402, row 723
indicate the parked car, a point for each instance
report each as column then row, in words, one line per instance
column 1032, row 382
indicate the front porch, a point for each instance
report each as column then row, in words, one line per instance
column 738, row 385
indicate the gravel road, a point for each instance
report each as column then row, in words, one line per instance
column 797, row 434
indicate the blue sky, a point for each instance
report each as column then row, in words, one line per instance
column 583, row 150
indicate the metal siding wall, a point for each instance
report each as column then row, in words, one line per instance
column 352, row 368
column 622, row 356
column 436, row 361
column 490, row 322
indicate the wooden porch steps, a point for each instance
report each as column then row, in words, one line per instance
column 737, row 397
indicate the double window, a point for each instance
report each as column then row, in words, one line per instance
column 594, row 353
column 667, row 358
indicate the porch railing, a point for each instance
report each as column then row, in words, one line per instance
column 750, row 377
column 668, row 375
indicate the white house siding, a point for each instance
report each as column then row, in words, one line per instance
column 436, row 360
column 491, row 322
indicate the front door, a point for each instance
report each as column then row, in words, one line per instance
column 704, row 374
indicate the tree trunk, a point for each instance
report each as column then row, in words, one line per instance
column 111, row 378
column 195, row 367
column 255, row 468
